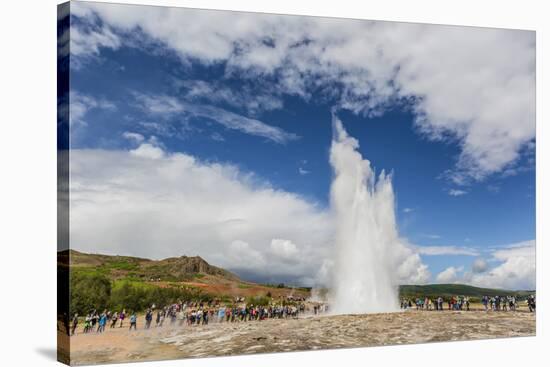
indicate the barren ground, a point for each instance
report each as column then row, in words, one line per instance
column 307, row 333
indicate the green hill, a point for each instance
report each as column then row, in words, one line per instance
column 448, row 290
column 116, row 282
column 183, row 268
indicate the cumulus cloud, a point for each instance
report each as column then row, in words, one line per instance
column 515, row 269
column 479, row 266
column 284, row 249
column 411, row 269
column 469, row 85
column 449, row 275
column 148, row 150
column 147, row 202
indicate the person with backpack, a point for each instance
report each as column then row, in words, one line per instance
column 87, row 323
column 133, row 321
column 221, row 314
column 121, row 317
column 157, row 322
column 94, row 319
column 114, row 319
column 148, row 318
column 531, row 303
column 101, row 323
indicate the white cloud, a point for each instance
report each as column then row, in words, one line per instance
column 446, row 250
column 150, row 203
column 80, row 104
column 212, row 92
column 89, row 43
column 255, row 258
column 164, row 129
column 86, row 42
column 303, row 171
column 167, row 106
column 148, row 150
column 134, row 137
column 457, row 192
column 411, row 269
column 516, row 268
column 284, row 249
column 408, row 210
column 471, row 85
column 479, row 266
column 449, row 275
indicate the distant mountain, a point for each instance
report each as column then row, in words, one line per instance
column 184, row 272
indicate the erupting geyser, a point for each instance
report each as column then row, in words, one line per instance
column 364, row 279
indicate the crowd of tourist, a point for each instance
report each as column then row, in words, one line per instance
column 459, row 303
column 190, row 314
column 180, row 314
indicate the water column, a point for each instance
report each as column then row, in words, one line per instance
column 364, row 277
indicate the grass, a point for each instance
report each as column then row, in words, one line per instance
column 116, row 284
column 122, row 265
column 85, row 270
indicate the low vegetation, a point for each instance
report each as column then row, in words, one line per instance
column 96, row 291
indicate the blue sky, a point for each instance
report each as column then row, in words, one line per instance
column 131, row 88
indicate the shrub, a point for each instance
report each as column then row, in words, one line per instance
column 95, row 291
column 88, row 292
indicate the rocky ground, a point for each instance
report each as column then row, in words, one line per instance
column 307, row 333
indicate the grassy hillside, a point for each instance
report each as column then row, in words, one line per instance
column 104, row 281
column 175, row 269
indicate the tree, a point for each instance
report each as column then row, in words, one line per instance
column 89, row 292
